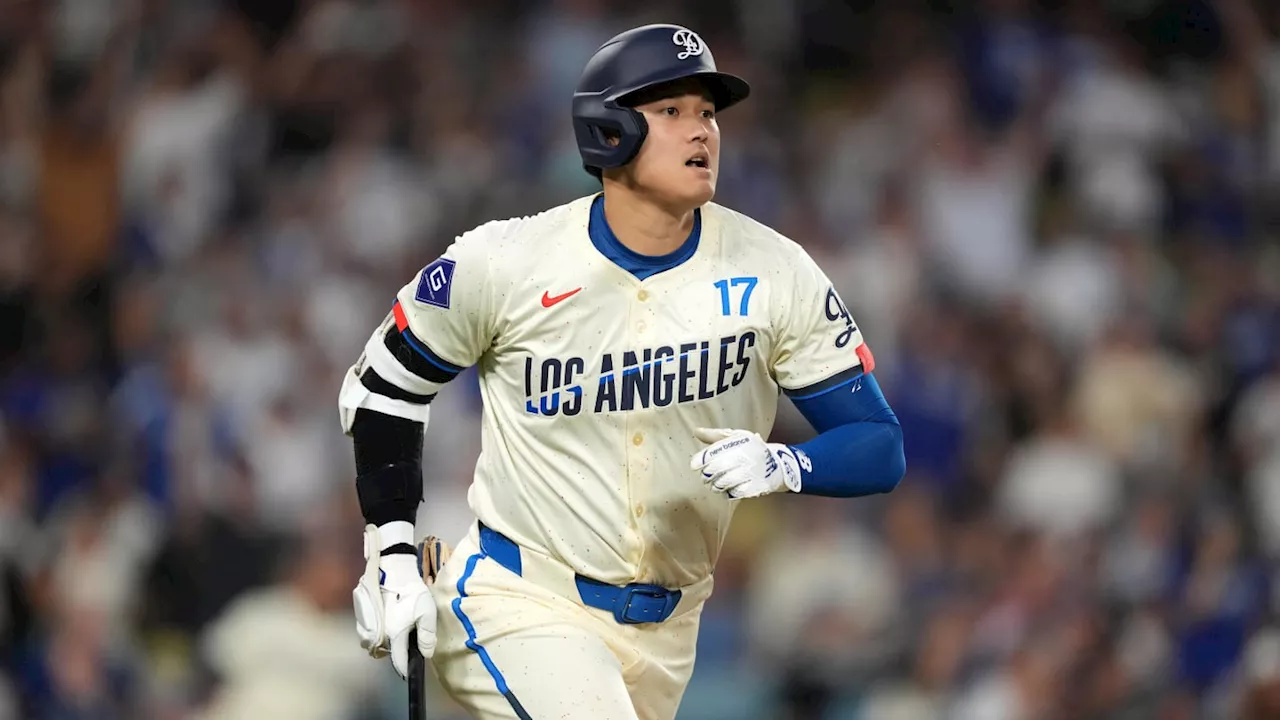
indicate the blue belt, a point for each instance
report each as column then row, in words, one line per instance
column 631, row 604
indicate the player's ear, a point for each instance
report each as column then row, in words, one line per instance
column 611, row 136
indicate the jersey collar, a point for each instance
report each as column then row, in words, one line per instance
column 641, row 266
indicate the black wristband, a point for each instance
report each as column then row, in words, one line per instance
column 400, row 549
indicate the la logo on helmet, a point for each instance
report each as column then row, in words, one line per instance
column 690, row 41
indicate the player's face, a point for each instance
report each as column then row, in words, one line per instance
column 680, row 158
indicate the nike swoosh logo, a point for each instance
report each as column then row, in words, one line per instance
column 548, row 300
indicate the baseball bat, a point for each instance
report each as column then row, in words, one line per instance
column 432, row 552
column 417, row 680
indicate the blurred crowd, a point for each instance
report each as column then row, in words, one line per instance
column 1055, row 222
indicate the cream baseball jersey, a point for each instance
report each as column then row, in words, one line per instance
column 593, row 381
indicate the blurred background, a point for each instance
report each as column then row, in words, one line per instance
column 1056, row 222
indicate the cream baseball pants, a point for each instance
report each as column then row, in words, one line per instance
column 521, row 637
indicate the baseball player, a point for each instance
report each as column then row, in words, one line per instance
column 631, row 347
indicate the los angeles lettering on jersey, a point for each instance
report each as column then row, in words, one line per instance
column 638, row 379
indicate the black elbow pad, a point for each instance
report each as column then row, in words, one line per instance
column 388, row 453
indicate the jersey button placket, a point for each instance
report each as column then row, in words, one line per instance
column 638, row 453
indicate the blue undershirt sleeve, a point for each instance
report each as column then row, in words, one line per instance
column 858, row 450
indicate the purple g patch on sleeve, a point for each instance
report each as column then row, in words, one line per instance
column 435, row 283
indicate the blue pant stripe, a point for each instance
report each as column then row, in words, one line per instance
column 473, row 645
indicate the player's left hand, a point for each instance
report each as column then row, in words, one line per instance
column 391, row 601
column 741, row 464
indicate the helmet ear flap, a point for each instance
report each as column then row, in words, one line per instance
column 633, row 132
column 594, row 124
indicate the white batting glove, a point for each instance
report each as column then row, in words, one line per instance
column 392, row 599
column 741, row 464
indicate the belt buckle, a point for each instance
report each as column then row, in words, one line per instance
column 622, row 607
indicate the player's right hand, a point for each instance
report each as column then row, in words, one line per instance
column 391, row 600
column 740, row 464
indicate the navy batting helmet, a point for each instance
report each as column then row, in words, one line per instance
column 639, row 59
